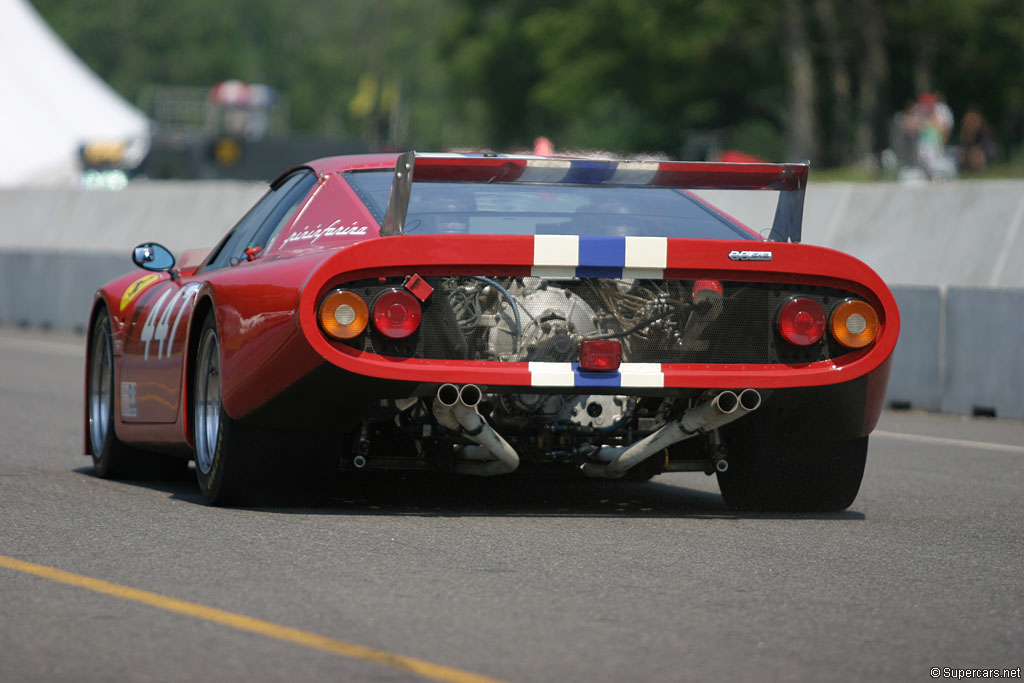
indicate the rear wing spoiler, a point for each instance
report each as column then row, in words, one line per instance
column 789, row 179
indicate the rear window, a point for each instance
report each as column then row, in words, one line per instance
column 527, row 209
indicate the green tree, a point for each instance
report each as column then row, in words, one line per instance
column 314, row 53
column 615, row 74
column 817, row 78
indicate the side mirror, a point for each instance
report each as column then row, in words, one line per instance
column 153, row 256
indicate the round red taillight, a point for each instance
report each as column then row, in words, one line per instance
column 396, row 314
column 801, row 321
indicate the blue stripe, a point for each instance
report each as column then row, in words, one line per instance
column 601, row 256
column 599, row 271
column 589, row 172
column 583, row 378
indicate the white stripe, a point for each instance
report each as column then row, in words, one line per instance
column 641, row 375
column 552, row 375
column 643, row 273
column 957, row 443
column 553, row 271
column 544, row 171
column 556, row 250
column 648, row 254
column 635, row 172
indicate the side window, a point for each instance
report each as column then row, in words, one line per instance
column 279, row 201
column 284, row 211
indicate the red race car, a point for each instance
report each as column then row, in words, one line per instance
column 482, row 314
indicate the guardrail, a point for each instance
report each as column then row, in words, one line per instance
column 956, row 249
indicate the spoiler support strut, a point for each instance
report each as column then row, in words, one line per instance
column 401, row 188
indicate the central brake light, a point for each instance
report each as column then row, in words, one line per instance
column 599, row 355
column 801, row 321
column 396, row 314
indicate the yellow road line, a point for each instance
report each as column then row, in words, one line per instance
column 437, row 672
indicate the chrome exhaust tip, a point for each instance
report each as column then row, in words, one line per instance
column 750, row 399
column 448, row 395
column 726, row 401
column 470, row 395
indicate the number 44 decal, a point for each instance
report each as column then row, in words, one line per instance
column 158, row 320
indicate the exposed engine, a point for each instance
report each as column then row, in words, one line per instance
column 539, row 320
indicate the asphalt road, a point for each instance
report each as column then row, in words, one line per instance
column 517, row 581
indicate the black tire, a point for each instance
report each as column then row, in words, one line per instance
column 111, row 458
column 243, row 464
column 789, row 475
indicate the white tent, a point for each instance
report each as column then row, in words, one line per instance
column 51, row 103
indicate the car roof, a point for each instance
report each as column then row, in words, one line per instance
column 337, row 164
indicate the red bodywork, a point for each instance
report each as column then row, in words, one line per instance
column 266, row 308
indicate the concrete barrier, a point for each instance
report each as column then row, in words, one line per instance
column 984, row 361
column 918, row 363
column 181, row 215
column 59, row 245
column 966, row 233
column 52, row 289
column 951, row 253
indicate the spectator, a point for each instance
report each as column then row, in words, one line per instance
column 943, row 117
column 977, row 141
column 929, row 123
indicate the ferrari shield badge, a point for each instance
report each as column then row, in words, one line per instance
column 135, row 288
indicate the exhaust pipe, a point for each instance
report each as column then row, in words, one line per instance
column 470, row 395
column 456, row 409
column 446, row 398
column 698, row 419
column 725, row 407
column 749, row 400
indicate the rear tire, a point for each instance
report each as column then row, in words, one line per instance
column 111, row 458
column 789, row 475
column 243, row 464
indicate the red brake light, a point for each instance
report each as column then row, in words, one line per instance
column 396, row 314
column 600, row 355
column 801, row 321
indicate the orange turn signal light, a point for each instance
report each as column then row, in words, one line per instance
column 854, row 323
column 343, row 314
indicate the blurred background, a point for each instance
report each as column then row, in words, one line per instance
column 112, row 109
column 868, row 89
